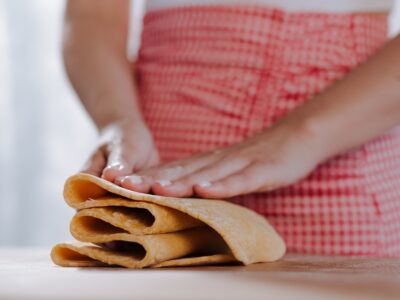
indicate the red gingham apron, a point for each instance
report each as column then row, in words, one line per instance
column 213, row 75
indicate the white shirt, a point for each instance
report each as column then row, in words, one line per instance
column 339, row 6
column 139, row 7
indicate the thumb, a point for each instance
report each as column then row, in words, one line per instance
column 95, row 164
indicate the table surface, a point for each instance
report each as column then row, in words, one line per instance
column 27, row 273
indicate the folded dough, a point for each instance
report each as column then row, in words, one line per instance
column 120, row 227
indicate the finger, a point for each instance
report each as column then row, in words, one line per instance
column 139, row 183
column 177, row 169
column 95, row 163
column 135, row 183
column 166, row 188
column 215, row 171
column 121, row 161
column 248, row 180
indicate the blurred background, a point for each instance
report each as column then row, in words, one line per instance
column 45, row 135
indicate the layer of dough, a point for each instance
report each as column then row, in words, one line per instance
column 156, row 231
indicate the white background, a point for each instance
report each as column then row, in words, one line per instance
column 45, row 135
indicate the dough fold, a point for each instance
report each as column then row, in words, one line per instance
column 119, row 227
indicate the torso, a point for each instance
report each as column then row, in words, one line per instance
column 213, row 75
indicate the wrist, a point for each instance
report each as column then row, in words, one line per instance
column 128, row 124
column 310, row 133
column 130, row 120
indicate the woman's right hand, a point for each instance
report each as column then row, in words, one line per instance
column 124, row 147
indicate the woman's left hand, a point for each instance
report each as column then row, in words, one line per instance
column 269, row 160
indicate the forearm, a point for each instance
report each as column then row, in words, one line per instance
column 363, row 105
column 96, row 62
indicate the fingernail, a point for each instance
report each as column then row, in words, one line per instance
column 205, row 184
column 120, row 179
column 116, row 166
column 134, row 179
column 164, row 182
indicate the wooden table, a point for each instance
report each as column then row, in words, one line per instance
column 29, row 274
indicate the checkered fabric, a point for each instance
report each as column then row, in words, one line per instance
column 210, row 76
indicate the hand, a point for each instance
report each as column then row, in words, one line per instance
column 124, row 148
column 272, row 159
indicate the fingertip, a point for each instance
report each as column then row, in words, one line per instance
column 119, row 180
column 160, row 188
column 112, row 172
column 168, row 189
column 202, row 191
column 209, row 190
column 135, row 183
